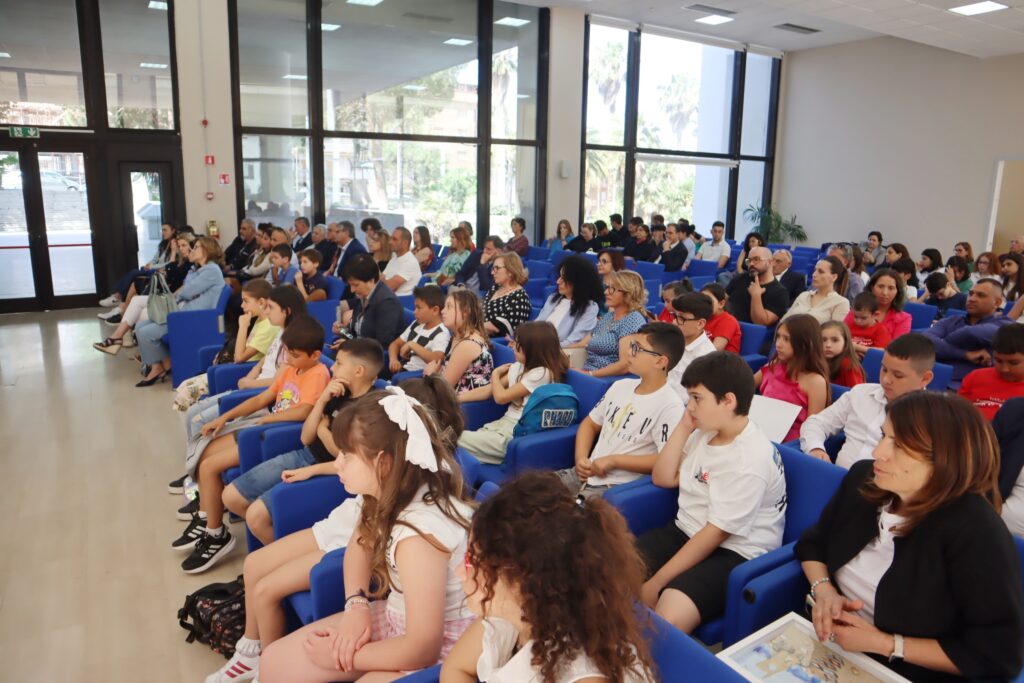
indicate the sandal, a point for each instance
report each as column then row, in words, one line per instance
column 108, row 345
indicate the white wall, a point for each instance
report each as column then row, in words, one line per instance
column 204, row 72
column 1010, row 213
column 896, row 136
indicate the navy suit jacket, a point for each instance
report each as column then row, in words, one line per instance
column 304, row 242
column 354, row 247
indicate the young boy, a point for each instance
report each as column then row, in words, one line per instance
column 943, row 294
column 281, row 272
column 866, row 329
column 632, row 421
column 723, row 329
column 424, row 340
column 732, row 495
column 290, row 399
column 668, row 293
column 990, row 388
column 311, row 282
column 693, row 311
column 353, row 374
column 860, row 412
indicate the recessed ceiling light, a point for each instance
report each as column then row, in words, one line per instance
column 294, row 77
column 458, row 42
column 157, row 4
column 512, row 21
column 978, row 8
column 329, row 27
column 152, row 65
column 367, row 3
column 414, row 88
column 714, row 20
column 5, row 55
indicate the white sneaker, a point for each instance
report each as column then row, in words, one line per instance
column 238, row 668
column 111, row 300
column 128, row 340
column 109, row 314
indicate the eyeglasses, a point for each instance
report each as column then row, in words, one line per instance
column 635, row 348
column 609, row 288
column 680, row 318
column 497, row 267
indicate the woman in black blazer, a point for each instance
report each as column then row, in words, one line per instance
column 910, row 561
column 377, row 312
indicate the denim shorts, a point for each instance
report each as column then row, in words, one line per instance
column 257, row 482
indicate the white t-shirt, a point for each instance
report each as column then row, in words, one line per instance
column 632, row 424
column 500, row 663
column 335, row 531
column 531, row 380
column 701, row 346
column 272, row 360
column 858, row 579
column 739, row 487
column 432, row 338
column 714, row 252
column 405, row 266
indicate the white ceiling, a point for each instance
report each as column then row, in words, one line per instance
column 929, row 22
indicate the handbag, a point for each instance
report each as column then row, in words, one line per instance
column 161, row 300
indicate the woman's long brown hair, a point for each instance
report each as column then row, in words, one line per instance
column 542, row 348
column 808, row 350
column 576, row 569
column 472, row 312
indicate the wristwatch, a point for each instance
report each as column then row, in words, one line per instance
column 897, row 649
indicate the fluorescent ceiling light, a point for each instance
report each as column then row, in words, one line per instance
column 978, row 8
column 523, row 97
column 714, row 20
column 294, row 77
column 5, row 55
column 367, row 3
column 458, row 42
column 152, row 65
column 414, row 88
column 329, row 27
column 512, row 21
column 157, row 4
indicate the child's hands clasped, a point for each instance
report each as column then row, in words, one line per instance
column 336, row 647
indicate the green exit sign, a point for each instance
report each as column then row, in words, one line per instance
column 23, row 132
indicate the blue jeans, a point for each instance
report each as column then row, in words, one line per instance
column 149, row 337
column 201, row 412
column 257, row 482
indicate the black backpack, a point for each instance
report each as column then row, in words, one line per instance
column 217, row 615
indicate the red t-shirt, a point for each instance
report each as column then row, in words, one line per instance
column 725, row 325
column 667, row 316
column 874, row 337
column 847, row 375
column 988, row 391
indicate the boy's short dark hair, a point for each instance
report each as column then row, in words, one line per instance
column 257, row 288
column 865, row 301
column 666, row 339
column 312, row 255
column 304, row 333
column 679, row 287
column 936, row 282
column 721, row 373
column 636, row 220
column 716, row 290
column 904, row 266
column 283, row 250
column 1009, row 339
column 695, row 304
column 914, row 347
column 366, row 351
column 615, row 218
column 600, row 225
column 363, row 268
column 429, row 295
column 717, row 224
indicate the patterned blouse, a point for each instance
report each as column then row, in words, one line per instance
column 478, row 374
column 603, row 349
column 453, row 263
column 507, row 312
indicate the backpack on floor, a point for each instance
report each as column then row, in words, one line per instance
column 217, row 616
column 549, row 406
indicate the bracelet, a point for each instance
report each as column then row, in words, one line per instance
column 816, row 584
column 357, row 601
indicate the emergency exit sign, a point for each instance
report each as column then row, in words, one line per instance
column 23, row 132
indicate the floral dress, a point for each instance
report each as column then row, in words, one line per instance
column 478, row 374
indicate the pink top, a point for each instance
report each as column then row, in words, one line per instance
column 775, row 384
column 896, row 323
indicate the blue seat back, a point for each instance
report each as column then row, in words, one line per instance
column 698, row 268
column 539, row 270
column 837, row 391
column 486, row 490
column 538, row 253
column 335, row 288
column 410, row 317
column 589, row 390
column 810, row 484
column 752, row 338
column 700, row 281
column 502, row 354
column 943, row 375
column 535, row 288
column 649, row 271
column 921, row 315
column 872, row 364
column 408, row 301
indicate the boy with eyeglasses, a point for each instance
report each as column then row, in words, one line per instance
column 634, row 418
column 692, row 312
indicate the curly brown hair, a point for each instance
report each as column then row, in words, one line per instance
column 576, row 568
column 363, row 428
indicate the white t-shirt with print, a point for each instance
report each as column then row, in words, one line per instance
column 405, row 266
column 739, row 487
column 418, row 332
column 272, row 361
column 531, row 380
column 701, row 346
column 632, row 424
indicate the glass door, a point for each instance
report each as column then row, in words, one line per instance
column 15, row 252
column 146, row 189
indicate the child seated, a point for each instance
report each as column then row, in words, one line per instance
column 723, row 329
column 692, row 312
column 844, row 366
column 426, row 339
column 860, row 412
column 943, row 294
column 632, row 421
column 215, row 450
column 311, row 282
column 281, row 272
column 668, row 293
column 989, row 388
column 353, row 374
column 798, row 372
column 539, row 361
column 867, row 330
column 516, row 554
column 732, row 495
column 410, row 542
column 467, row 362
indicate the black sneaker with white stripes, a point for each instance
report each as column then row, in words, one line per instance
column 209, row 551
column 195, row 530
column 190, row 508
column 178, row 485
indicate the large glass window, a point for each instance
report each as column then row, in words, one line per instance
column 40, row 64
column 137, row 62
column 15, row 257
column 276, row 179
column 749, row 193
column 272, row 63
column 68, row 229
column 514, row 71
column 605, row 184
column 757, row 95
column 606, row 85
column 513, row 188
column 698, row 193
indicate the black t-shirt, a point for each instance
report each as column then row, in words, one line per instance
column 331, row 411
column 774, row 299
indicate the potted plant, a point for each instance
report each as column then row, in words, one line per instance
column 773, row 227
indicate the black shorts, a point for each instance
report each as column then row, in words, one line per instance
column 705, row 583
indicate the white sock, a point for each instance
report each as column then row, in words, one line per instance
column 202, row 515
column 247, row 647
column 216, row 533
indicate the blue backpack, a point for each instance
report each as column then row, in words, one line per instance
column 549, row 406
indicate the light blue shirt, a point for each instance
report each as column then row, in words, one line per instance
column 571, row 329
column 202, row 288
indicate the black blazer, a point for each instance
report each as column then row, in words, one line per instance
column 382, row 317
column 674, row 258
column 645, row 251
column 304, row 242
column 795, row 283
column 956, row 578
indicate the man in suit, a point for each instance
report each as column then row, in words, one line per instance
column 674, row 252
column 794, row 282
column 476, row 273
column 344, row 236
column 325, row 246
column 303, row 238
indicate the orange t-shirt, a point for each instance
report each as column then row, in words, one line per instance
column 292, row 389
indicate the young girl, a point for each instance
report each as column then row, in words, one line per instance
column 1012, row 268
column 798, row 372
column 539, row 361
column 668, row 293
column 410, row 540
column 380, row 247
column 468, row 362
column 844, row 366
column 723, row 329
column 540, row 623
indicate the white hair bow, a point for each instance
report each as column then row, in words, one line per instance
column 401, row 409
